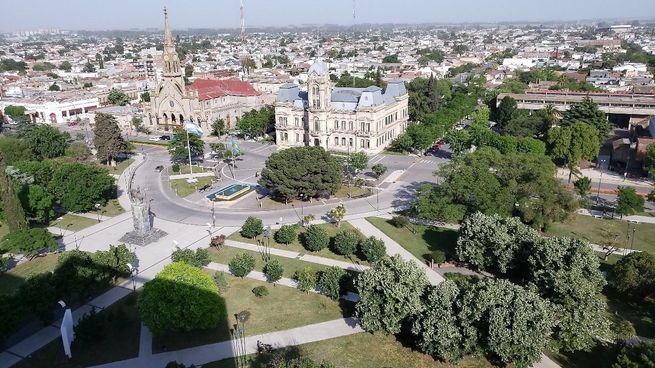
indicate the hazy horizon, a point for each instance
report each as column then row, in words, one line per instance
column 124, row 15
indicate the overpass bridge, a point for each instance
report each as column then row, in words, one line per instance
column 610, row 103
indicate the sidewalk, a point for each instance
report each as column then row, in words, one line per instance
column 394, row 248
column 223, row 350
column 609, row 177
column 633, row 218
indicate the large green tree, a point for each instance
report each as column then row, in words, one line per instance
column 306, row 171
column 628, row 202
column 634, row 274
column 640, row 355
column 108, row 139
column 505, row 111
column 79, row 187
column 178, row 145
column 490, row 182
column 390, row 293
column 117, row 97
column 255, row 123
column 587, row 112
column 37, row 203
column 649, row 160
column 180, row 298
column 47, row 142
column 12, row 210
column 572, row 143
column 29, row 242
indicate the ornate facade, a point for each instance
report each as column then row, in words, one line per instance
column 203, row 101
column 340, row 119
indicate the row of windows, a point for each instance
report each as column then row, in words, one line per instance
column 363, row 126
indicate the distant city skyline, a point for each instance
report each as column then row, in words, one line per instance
column 142, row 14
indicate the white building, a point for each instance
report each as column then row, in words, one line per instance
column 340, row 119
column 54, row 110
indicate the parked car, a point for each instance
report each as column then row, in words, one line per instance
column 165, row 138
column 154, row 139
column 159, row 168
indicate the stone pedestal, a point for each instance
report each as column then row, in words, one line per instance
column 143, row 233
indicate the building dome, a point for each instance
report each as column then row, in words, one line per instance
column 319, row 67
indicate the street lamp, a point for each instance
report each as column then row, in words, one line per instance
column 97, row 206
column 632, row 243
column 268, row 232
column 133, row 271
column 213, row 214
column 599, row 181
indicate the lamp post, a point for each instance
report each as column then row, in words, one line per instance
column 97, row 206
column 632, row 242
column 213, row 214
column 188, row 146
column 302, row 207
column 268, row 232
column 133, row 270
column 599, row 181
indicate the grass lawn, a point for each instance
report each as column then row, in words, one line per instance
column 594, row 230
column 352, row 192
column 184, row 169
column 282, row 309
column 640, row 312
column 112, row 208
column 73, row 222
column 4, row 230
column 363, row 350
column 12, row 279
column 297, row 246
column 120, row 167
column 290, row 265
column 119, row 341
column 184, row 189
column 420, row 240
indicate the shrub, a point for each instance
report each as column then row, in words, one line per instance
column 242, row 264
column 315, row 238
column 286, row 234
column 221, row 281
column 438, row 256
column 252, row 227
column 372, row 249
column 180, row 298
column 345, row 242
column 379, row 170
column 399, row 221
column 260, row 291
column 634, row 274
column 273, row 270
column 175, row 168
column 91, row 327
column 29, row 242
column 330, row 281
column 306, row 279
column 199, row 258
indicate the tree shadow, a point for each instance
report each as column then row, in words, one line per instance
column 441, row 242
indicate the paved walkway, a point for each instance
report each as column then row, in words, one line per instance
column 91, row 215
column 299, row 256
column 195, row 175
column 224, row 350
column 285, row 281
column 609, row 177
column 394, row 248
column 633, row 218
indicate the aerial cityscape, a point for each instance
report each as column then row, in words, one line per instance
column 359, row 183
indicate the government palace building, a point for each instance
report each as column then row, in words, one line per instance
column 204, row 100
column 339, row 119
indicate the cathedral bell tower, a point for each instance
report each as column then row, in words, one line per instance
column 171, row 60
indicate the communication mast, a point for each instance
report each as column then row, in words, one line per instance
column 244, row 52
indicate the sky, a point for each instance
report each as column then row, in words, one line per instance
column 19, row 15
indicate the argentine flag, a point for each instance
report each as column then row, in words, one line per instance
column 193, row 128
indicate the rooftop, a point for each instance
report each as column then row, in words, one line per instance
column 214, row 88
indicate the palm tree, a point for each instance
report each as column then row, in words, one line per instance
column 552, row 114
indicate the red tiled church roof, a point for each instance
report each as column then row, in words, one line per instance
column 212, row 88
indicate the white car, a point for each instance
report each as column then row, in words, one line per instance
column 154, row 139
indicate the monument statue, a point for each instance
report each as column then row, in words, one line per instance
column 144, row 233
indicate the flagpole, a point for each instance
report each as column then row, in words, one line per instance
column 188, row 145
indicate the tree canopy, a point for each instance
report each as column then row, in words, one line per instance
column 587, row 112
column 180, row 298
column 572, row 143
column 47, row 142
column 178, row 145
column 385, row 308
column 255, row 123
column 634, row 274
column 310, row 171
column 117, row 97
column 490, row 182
column 108, row 139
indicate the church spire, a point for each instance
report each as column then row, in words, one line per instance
column 171, row 60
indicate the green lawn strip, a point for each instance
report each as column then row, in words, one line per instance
column 184, row 169
column 119, row 341
column 121, row 166
column 282, row 309
column 420, row 240
column 290, row 265
column 12, row 279
column 352, row 192
column 111, row 209
column 73, row 222
column 362, row 350
column 184, row 189
column 296, row 245
column 594, row 230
